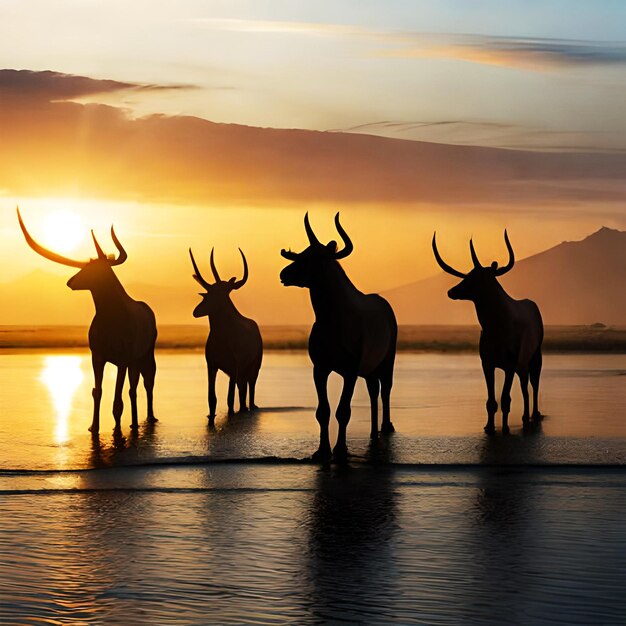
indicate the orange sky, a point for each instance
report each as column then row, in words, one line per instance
column 167, row 183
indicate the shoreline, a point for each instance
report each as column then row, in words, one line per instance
column 439, row 339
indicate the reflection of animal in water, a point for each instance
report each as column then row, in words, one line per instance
column 234, row 344
column 351, row 524
column 354, row 335
column 511, row 337
column 123, row 331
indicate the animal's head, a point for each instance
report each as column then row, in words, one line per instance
column 218, row 293
column 93, row 273
column 479, row 281
column 307, row 266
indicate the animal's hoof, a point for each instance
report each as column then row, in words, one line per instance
column 211, row 416
column 490, row 429
column 506, row 430
column 322, row 455
column 254, row 407
column 231, row 412
column 537, row 416
column 151, row 419
column 340, row 454
column 134, row 426
column 386, row 428
column 93, row 429
column 244, row 409
column 374, row 434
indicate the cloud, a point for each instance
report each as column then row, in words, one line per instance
column 281, row 27
column 49, row 86
column 495, row 135
column 56, row 148
column 519, row 52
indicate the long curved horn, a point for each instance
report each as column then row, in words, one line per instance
column 122, row 253
column 214, row 269
column 52, row 256
column 475, row 260
column 240, row 283
column 197, row 275
column 348, row 247
column 511, row 263
column 442, row 264
column 99, row 250
column 288, row 254
column 313, row 240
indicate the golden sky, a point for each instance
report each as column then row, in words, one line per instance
column 212, row 124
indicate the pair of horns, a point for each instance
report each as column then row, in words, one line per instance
column 57, row 258
column 498, row 271
column 314, row 241
column 236, row 284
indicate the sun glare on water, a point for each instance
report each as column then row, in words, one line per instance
column 62, row 375
column 63, row 230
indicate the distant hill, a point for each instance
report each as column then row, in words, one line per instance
column 575, row 282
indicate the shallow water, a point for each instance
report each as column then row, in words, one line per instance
column 437, row 524
column 255, row 544
column 437, row 407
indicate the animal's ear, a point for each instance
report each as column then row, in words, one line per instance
column 331, row 246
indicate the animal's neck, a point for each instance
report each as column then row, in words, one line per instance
column 109, row 296
column 225, row 315
column 332, row 292
column 492, row 309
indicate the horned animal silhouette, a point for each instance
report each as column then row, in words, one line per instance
column 511, row 336
column 234, row 344
column 123, row 330
column 354, row 335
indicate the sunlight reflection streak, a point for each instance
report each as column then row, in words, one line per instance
column 62, row 375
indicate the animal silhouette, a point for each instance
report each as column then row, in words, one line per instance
column 123, row 330
column 354, row 335
column 511, row 336
column 234, row 344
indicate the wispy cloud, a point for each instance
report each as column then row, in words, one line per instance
column 495, row 135
column 49, row 86
column 278, row 27
column 525, row 53
column 518, row 52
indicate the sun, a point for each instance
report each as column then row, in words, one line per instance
column 63, row 230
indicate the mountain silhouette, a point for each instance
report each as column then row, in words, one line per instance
column 575, row 282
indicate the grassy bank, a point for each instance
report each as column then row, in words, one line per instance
column 424, row 338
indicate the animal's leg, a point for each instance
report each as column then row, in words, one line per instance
column 373, row 387
column 242, row 387
column 322, row 414
column 231, row 396
column 133, row 380
column 212, row 395
column 492, row 405
column 98, row 371
column 340, row 451
column 386, row 382
column 118, row 403
column 505, row 400
column 523, row 382
column 149, row 374
column 252, row 390
column 535, row 373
